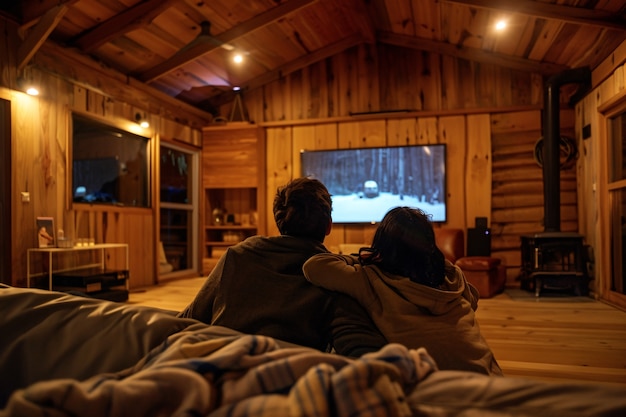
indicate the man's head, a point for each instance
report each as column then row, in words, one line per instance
column 302, row 208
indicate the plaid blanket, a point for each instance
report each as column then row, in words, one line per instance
column 193, row 373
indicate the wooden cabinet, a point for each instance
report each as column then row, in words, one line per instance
column 233, row 181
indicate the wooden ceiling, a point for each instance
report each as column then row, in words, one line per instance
column 183, row 47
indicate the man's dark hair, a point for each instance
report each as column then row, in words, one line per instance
column 302, row 208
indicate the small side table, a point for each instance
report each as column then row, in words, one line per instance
column 55, row 251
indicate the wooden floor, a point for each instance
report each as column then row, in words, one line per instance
column 552, row 338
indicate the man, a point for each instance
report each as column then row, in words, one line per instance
column 257, row 286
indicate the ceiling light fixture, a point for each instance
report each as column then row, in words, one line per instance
column 501, row 25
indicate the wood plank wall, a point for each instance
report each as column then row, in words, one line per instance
column 40, row 157
column 609, row 93
column 489, row 117
column 283, row 159
column 40, row 132
column 441, row 99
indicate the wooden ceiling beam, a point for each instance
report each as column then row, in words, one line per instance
column 80, row 69
column 199, row 49
column 38, row 35
column 471, row 54
column 569, row 14
column 135, row 17
column 33, row 10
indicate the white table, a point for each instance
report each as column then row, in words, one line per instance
column 52, row 251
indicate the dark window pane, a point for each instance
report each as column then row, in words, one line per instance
column 109, row 165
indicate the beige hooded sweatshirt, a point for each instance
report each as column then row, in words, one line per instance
column 440, row 319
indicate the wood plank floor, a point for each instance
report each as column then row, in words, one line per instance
column 551, row 338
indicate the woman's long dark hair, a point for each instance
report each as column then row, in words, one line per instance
column 404, row 244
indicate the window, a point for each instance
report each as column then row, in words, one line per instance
column 109, row 165
column 178, row 213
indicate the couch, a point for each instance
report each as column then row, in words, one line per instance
column 65, row 355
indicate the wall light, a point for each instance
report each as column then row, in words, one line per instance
column 28, row 86
column 142, row 120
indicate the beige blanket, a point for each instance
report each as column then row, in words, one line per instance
column 195, row 374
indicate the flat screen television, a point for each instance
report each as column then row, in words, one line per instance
column 365, row 183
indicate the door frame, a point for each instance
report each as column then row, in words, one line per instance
column 6, row 249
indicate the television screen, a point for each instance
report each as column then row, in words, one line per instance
column 365, row 183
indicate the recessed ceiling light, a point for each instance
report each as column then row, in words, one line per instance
column 501, row 25
column 238, row 58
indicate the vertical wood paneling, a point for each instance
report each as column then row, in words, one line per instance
column 312, row 137
column 348, row 82
column 587, row 167
column 590, row 187
column 401, row 132
column 41, row 148
column 372, row 78
column 451, row 94
column 364, row 134
column 279, row 169
column 478, row 163
column 452, row 131
column 318, row 93
column 428, row 77
column 427, row 132
column 368, row 82
column 299, row 86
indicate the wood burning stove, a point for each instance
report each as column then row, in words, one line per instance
column 555, row 259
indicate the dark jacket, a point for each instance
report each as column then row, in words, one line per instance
column 258, row 287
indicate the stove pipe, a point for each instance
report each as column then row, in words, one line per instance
column 552, row 137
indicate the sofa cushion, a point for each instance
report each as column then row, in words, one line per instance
column 47, row 334
column 478, row 263
column 485, row 273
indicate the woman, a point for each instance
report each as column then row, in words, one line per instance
column 414, row 296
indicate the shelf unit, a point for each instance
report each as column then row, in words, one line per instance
column 237, row 222
column 232, row 177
